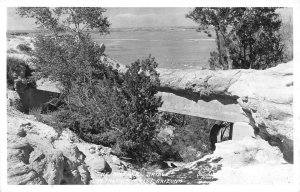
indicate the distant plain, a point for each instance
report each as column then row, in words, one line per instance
column 173, row 48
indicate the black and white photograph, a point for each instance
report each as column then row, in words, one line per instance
column 114, row 95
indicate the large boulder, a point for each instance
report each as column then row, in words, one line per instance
column 251, row 161
column 264, row 97
column 246, row 161
column 34, row 158
column 13, row 100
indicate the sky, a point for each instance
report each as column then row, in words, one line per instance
column 129, row 17
column 120, row 18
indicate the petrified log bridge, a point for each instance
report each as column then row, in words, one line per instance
column 258, row 102
column 223, row 109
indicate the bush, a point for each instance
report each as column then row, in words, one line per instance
column 70, row 61
column 36, row 112
column 16, row 67
column 191, row 136
column 112, row 114
column 139, row 107
column 23, row 47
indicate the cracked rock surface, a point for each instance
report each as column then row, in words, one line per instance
column 265, row 96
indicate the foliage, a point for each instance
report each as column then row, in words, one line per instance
column 139, row 121
column 78, row 66
column 67, row 60
column 195, row 135
column 49, row 118
column 117, row 113
column 36, row 112
column 23, row 47
column 68, row 51
column 15, row 68
column 218, row 18
column 214, row 61
column 191, row 135
column 246, row 37
column 75, row 20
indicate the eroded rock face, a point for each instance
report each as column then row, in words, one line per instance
column 13, row 100
column 265, row 97
column 34, row 159
column 40, row 154
column 247, row 161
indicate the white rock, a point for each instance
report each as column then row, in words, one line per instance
column 92, row 151
column 99, row 165
column 116, row 160
column 241, row 130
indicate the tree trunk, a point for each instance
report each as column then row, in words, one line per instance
column 219, row 48
column 250, row 56
column 244, row 48
column 227, row 61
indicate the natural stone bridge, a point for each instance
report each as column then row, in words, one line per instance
column 225, row 110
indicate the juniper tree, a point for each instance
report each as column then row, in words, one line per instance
column 76, row 20
column 103, row 106
column 246, row 37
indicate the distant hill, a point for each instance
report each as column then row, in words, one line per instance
column 153, row 28
column 181, row 28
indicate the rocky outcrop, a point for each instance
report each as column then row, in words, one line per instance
column 264, row 97
column 33, row 158
column 247, row 161
column 40, row 154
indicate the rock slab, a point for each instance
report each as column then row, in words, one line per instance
column 264, row 97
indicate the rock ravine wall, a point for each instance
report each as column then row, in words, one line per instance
column 261, row 98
